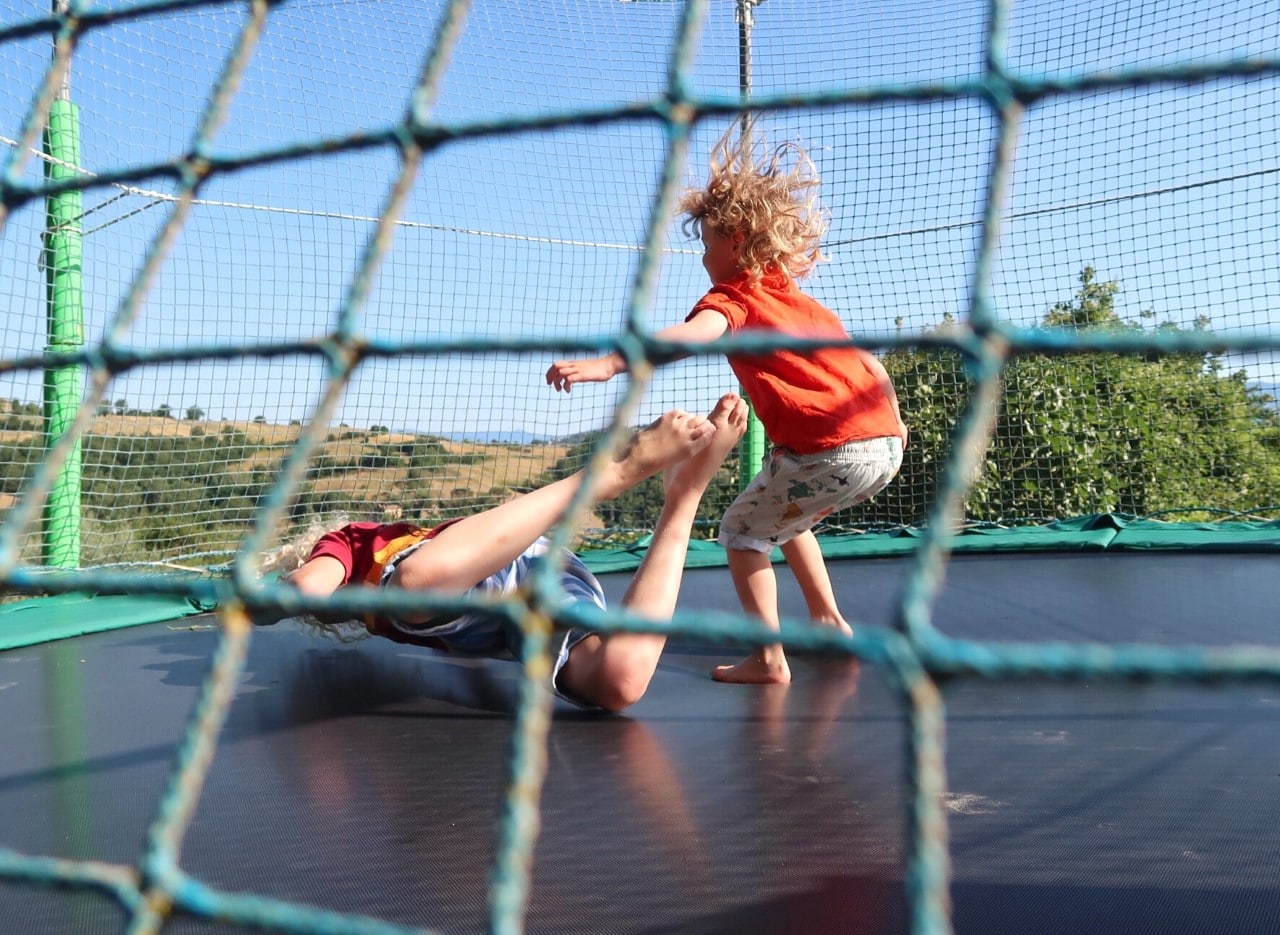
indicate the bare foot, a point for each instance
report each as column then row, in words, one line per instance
column 692, row 475
column 756, row 670
column 837, row 622
column 671, row 438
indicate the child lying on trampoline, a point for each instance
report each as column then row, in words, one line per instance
column 492, row 553
column 831, row 414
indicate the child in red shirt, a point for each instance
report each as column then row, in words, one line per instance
column 494, row 551
column 831, row 414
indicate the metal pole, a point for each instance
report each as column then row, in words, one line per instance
column 63, row 386
column 746, row 20
column 751, row 449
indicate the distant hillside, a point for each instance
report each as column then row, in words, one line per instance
column 498, row 438
column 160, row 487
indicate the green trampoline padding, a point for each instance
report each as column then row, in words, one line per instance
column 42, row 619
column 1227, row 536
column 50, row 618
column 1094, row 532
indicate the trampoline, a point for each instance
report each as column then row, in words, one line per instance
column 367, row 778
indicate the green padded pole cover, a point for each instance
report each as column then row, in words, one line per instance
column 751, row 451
column 63, row 386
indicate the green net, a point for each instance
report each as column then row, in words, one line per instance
column 1138, row 206
column 265, row 262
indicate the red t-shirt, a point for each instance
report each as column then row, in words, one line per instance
column 365, row 548
column 807, row 401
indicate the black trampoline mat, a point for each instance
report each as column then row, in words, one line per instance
column 368, row 778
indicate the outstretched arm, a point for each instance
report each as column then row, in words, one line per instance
column 701, row 328
column 319, row 577
column 564, row 373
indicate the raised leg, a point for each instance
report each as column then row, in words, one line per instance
column 477, row 546
column 614, row 671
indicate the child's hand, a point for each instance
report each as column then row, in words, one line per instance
column 564, row 373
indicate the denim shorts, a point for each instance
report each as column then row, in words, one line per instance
column 793, row 492
column 494, row 636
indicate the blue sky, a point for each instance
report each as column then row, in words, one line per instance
column 1171, row 191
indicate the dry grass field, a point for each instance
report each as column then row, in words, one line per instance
column 162, row 502
column 374, row 472
column 474, row 466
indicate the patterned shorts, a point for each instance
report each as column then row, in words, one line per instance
column 793, row 492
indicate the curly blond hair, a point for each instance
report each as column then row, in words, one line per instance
column 290, row 555
column 768, row 194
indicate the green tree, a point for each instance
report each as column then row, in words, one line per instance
column 426, row 457
column 1087, row 433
